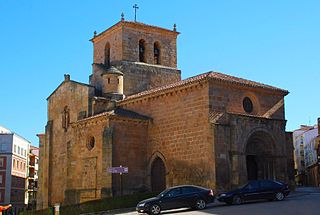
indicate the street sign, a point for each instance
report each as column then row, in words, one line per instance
column 119, row 169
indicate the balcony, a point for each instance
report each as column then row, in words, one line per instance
column 32, row 164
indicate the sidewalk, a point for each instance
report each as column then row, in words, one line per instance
column 300, row 191
column 307, row 190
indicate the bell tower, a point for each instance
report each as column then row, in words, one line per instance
column 146, row 56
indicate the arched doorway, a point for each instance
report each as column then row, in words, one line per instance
column 158, row 175
column 259, row 153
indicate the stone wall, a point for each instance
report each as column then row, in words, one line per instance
column 64, row 106
column 88, row 156
column 231, row 139
column 225, row 98
column 114, row 38
column 139, row 77
column 130, row 143
column 43, row 173
column 124, row 40
column 166, row 40
column 180, row 132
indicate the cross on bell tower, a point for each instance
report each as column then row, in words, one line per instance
column 135, row 6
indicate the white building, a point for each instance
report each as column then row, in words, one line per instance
column 14, row 152
column 305, row 154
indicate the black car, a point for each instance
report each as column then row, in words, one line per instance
column 177, row 197
column 256, row 190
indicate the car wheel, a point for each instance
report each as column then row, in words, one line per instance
column 236, row 200
column 279, row 196
column 155, row 209
column 200, row 204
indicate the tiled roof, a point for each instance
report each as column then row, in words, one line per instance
column 216, row 76
column 71, row 81
column 254, row 116
column 232, row 79
column 108, row 70
column 118, row 112
column 130, row 114
column 214, row 116
column 121, row 23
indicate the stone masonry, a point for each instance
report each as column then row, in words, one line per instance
column 212, row 129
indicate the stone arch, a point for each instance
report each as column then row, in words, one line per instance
column 158, row 171
column 107, row 54
column 142, row 50
column 157, row 53
column 260, row 155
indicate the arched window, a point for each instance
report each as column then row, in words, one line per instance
column 65, row 118
column 142, row 51
column 156, row 53
column 90, row 143
column 107, row 55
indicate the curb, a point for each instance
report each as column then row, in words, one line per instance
column 114, row 211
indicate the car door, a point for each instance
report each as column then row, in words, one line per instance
column 172, row 199
column 189, row 196
column 267, row 189
column 251, row 191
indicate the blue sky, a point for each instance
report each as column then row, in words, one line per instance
column 274, row 42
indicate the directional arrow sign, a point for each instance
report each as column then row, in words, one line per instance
column 119, row 169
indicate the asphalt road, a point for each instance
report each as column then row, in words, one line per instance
column 305, row 201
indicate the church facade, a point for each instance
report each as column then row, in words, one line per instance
column 212, row 129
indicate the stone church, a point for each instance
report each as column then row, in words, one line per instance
column 212, row 129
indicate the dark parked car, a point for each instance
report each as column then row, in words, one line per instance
column 177, row 197
column 256, row 190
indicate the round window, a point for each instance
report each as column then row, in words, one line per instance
column 247, row 105
column 90, row 143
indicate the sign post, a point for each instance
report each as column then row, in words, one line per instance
column 119, row 170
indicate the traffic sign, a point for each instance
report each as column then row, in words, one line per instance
column 119, row 169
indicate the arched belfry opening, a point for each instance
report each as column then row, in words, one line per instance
column 260, row 156
column 107, row 55
column 142, row 51
column 156, row 53
column 158, row 175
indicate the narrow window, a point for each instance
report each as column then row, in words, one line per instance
column 108, row 80
column 118, row 80
column 90, row 143
column 141, row 51
column 107, row 55
column 156, row 52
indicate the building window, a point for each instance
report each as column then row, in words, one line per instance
column 19, row 150
column 90, row 143
column 142, row 51
column 1, row 162
column 156, row 53
column 107, row 55
column 65, row 118
column 108, row 80
column 15, row 149
column 247, row 105
column 14, row 164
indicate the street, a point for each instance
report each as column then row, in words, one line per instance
column 304, row 201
